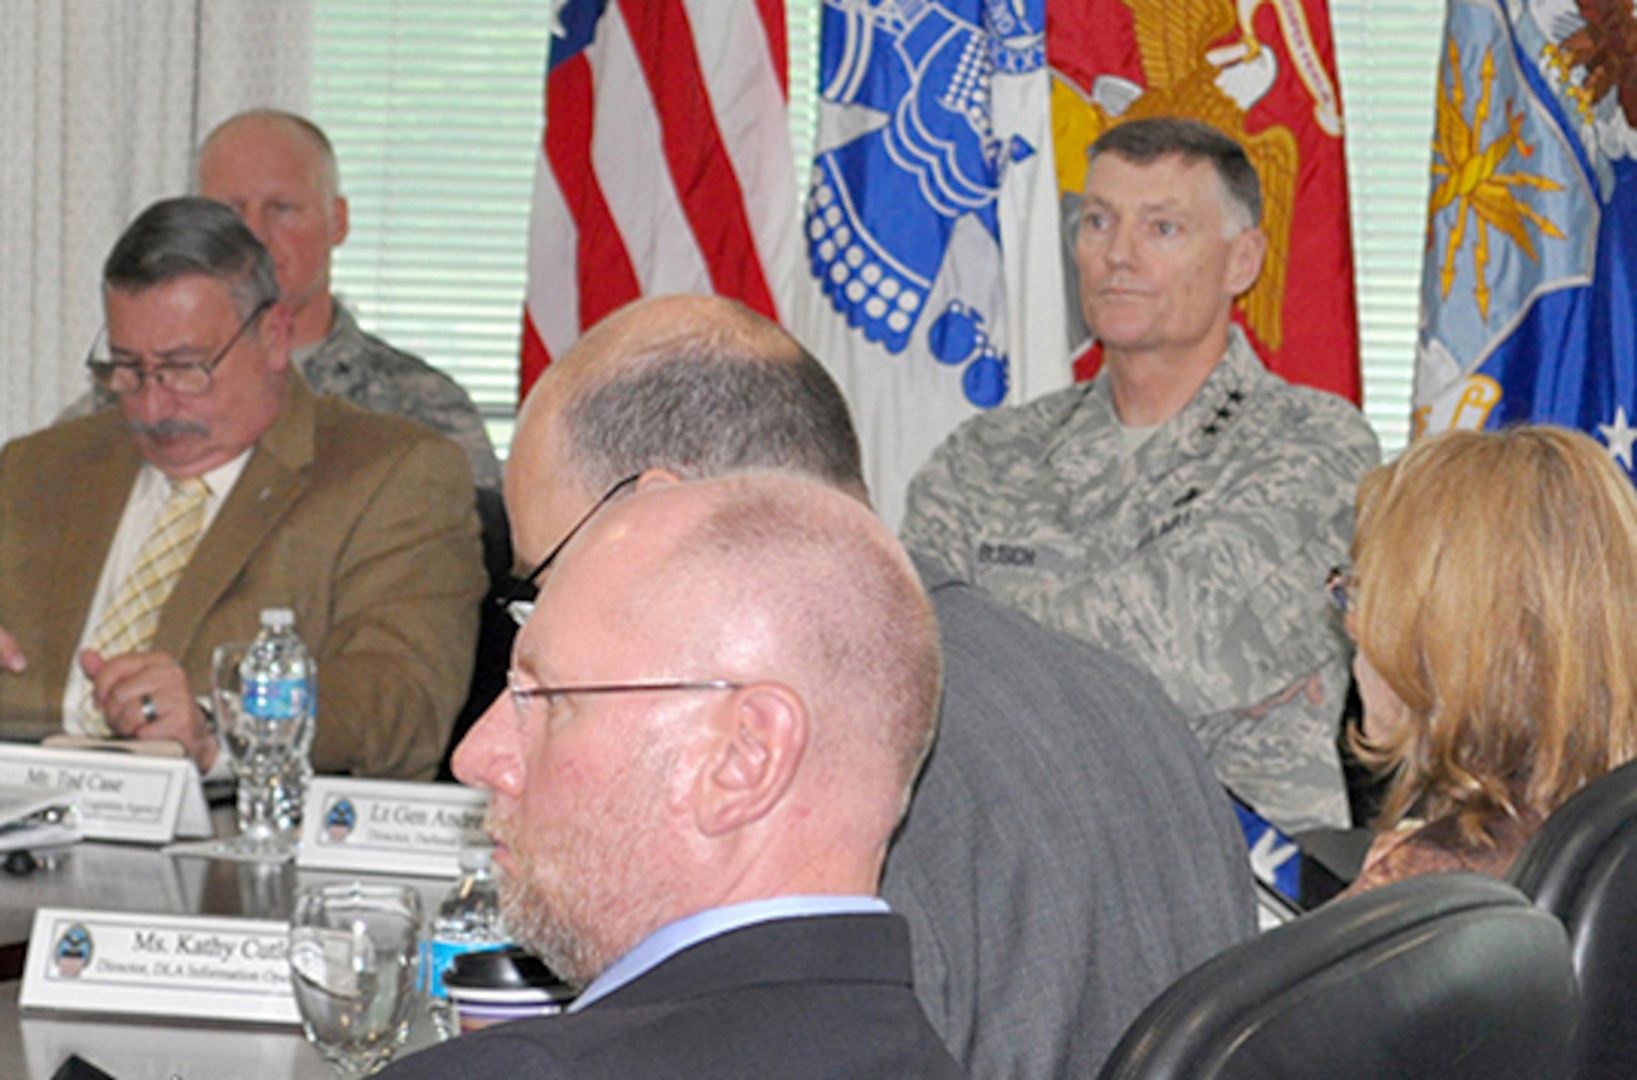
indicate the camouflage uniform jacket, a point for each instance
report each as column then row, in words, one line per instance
column 1201, row 557
column 363, row 369
column 368, row 372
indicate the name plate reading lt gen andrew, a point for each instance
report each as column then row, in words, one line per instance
column 387, row 826
column 159, row 965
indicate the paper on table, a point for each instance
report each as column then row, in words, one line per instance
column 168, row 748
column 34, row 818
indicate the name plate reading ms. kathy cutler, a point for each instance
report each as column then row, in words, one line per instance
column 387, row 826
column 159, row 965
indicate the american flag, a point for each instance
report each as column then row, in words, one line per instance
column 665, row 165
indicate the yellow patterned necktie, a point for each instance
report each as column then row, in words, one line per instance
column 132, row 617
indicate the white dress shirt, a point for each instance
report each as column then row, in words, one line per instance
column 142, row 509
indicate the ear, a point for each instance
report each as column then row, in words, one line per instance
column 274, row 330
column 1245, row 260
column 753, row 759
column 657, row 478
column 340, row 222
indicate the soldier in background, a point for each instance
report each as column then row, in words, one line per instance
column 1184, row 508
column 278, row 171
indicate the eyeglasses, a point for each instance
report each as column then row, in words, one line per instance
column 123, row 378
column 522, row 694
column 1342, row 585
column 518, row 598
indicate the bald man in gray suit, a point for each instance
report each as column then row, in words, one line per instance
column 1068, row 852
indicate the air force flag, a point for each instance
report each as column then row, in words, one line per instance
column 1528, row 292
column 935, row 285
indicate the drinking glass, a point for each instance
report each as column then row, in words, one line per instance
column 266, row 753
column 354, row 948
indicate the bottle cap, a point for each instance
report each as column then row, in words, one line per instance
column 500, row 985
column 278, row 618
column 506, row 968
column 476, row 854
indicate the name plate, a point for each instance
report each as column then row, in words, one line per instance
column 159, row 965
column 133, row 797
column 387, row 826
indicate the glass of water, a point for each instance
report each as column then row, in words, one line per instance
column 354, row 947
column 265, row 753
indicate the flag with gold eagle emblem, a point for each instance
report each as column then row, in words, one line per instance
column 1264, row 73
column 1527, row 303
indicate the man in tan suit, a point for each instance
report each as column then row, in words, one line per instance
column 363, row 524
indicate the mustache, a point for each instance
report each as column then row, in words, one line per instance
column 168, row 429
column 496, row 828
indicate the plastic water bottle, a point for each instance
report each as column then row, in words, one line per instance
column 468, row 920
column 280, row 681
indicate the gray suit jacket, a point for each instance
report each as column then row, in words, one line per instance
column 1068, row 852
column 363, row 524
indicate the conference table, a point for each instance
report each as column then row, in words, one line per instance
column 128, row 877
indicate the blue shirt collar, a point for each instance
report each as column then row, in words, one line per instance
column 671, row 939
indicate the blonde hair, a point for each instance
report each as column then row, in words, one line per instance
column 1498, row 599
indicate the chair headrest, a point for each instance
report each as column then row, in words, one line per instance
column 1554, row 864
column 1402, row 981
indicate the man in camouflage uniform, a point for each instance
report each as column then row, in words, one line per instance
column 278, row 171
column 1183, row 508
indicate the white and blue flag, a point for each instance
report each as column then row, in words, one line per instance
column 935, row 287
column 1528, row 309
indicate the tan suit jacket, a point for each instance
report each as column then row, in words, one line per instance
column 363, row 524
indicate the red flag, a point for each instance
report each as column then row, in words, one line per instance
column 1264, row 73
column 665, row 165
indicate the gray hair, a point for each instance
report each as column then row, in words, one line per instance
column 177, row 238
column 707, row 402
column 1145, row 141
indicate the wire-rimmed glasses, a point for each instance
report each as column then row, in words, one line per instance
column 518, row 598
column 123, row 378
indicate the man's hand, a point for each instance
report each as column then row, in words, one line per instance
column 121, row 684
column 1310, row 686
column 11, row 656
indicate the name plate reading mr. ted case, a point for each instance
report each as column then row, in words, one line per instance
column 132, row 797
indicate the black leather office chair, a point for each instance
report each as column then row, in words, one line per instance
column 1440, row 976
column 1582, row 867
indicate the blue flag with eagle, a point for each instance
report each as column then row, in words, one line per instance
column 1528, row 310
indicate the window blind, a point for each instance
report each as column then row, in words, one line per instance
column 1387, row 53
column 434, row 109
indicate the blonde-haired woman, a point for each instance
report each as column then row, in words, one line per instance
column 1494, row 602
